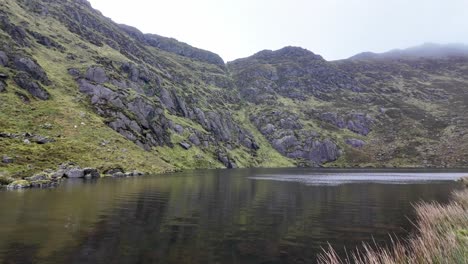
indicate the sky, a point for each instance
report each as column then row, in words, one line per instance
column 335, row 29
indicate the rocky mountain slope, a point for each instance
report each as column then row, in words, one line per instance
column 75, row 86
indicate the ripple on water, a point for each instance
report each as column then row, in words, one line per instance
column 334, row 179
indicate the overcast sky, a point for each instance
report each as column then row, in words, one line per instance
column 335, row 29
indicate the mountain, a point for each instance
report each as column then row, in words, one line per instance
column 75, row 86
column 427, row 50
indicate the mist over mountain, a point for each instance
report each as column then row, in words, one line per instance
column 75, row 86
column 427, row 50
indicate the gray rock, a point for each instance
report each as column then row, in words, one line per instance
column 2, row 87
column 3, row 58
column 91, row 173
column 355, row 143
column 178, row 129
column 7, row 160
column 360, row 123
column 32, row 68
column 138, row 173
column 118, row 175
column 166, row 99
column 38, row 177
column 42, row 140
column 268, row 129
column 325, row 151
column 24, row 81
column 113, row 171
column 74, row 173
column 230, row 164
column 185, row 145
column 194, row 139
column 334, row 119
column 74, row 72
column 97, row 75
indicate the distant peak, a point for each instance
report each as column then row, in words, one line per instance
column 426, row 50
column 289, row 51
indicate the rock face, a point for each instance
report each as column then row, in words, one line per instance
column 359, row 123
column 97, row 75
column 25, row 81
column 32, row 68
column 289, row 137
column 174, row 46
column 275, row 108
column 290, row 72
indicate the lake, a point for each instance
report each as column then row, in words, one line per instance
column 215, row 216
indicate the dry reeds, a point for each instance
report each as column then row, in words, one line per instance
column 442, row 237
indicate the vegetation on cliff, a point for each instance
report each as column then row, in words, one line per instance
column 75, row 86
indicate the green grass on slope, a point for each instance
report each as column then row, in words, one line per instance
column 267, row 156
column 80, row 135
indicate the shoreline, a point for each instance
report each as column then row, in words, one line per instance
column 52, row 178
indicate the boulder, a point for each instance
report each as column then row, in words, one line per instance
column 97, row 75
column 118, row 175
column 74, row 72
column 74, row 173
column 42, row 140
column 185, row 145
column 113, row 171
column 91, row 173
column 223, row 158
column 32, row 68
column 2, row 87
column 24, row 81
column 194, row 139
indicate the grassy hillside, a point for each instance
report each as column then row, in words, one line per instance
column 75, row 86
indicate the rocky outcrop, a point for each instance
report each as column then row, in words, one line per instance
column 28, row 137
column 174, row 46
column 32, row 68
column 289, row 137
column 97, row 75
column 359, row 123
column 27, row 83
column 291, row 72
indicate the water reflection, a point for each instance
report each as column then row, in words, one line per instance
column 202, row 217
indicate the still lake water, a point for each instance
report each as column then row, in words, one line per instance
column 214, row 216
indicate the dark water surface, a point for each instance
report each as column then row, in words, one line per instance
column 217, row 216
